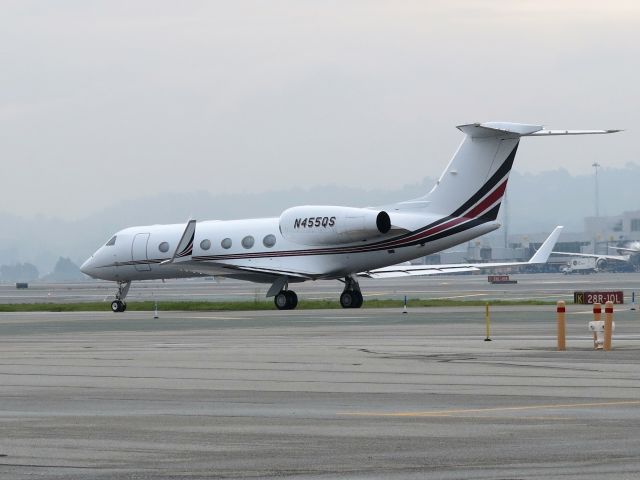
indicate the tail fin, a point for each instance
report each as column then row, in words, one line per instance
column 542, row 255
column 474, row 182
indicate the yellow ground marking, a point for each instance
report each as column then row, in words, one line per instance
column 448, row 413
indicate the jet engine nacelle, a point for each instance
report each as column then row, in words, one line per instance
column 328, row 225
column 601, row 263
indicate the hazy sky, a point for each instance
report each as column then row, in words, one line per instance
column 104, row 101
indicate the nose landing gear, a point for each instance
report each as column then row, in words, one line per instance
column 118, row 305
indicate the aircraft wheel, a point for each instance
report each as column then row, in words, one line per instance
column 358, row 299
column 292, row 299
column 281, row 301
column 351, row 299
column 117, row 306
column 286, row 300
column 347, row 299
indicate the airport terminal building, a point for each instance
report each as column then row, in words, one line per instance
column 600, row 236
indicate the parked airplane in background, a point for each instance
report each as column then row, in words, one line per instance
column 598, row 262
column 632, row 248
column 595, row 262
column 316, row 242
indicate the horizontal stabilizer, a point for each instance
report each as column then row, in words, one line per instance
column 543, row 132
column 508, row 129
column 498, row 129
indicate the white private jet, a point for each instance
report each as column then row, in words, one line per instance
column 332, row 242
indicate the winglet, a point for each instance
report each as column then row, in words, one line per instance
column 542, row 255
column 185, row 245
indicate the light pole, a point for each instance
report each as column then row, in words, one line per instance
column 595, row 165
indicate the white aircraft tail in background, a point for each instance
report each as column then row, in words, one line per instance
column 313, row 242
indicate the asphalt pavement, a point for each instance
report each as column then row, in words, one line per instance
column 317, row 394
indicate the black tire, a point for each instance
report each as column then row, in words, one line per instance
column 347, row 299
column 292, row 299
column 116, row 306
column 124, row 307
column 358, row 299
column 351, row 299
column 281, row 301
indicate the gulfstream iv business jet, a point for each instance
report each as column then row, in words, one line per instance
column 315, row 242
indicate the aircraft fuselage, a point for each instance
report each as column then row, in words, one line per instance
column 138, row 253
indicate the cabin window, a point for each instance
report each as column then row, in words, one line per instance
column 111, row 242
column 269, row 241
column 205, row 244
column 248, row 241
column 226, row 243
column 164, row 247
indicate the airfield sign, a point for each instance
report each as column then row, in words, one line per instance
column 589, row 298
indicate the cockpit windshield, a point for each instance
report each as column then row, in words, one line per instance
column 111, row 242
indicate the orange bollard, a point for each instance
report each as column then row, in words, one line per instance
column 560, row 313
column 597, row 313
column 608, row 325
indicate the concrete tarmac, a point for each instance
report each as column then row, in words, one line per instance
column 317, row 394
column 549, row 287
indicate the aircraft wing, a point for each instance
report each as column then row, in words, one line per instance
column 620, row 258
column 630, row 250
column 210, row 268
column 394, row 271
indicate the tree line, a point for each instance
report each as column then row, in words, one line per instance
column 64, row 271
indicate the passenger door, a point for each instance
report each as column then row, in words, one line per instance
column 139, row 252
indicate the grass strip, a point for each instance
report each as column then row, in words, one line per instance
column 203, row 306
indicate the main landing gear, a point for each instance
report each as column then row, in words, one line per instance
column 286, row 300
column 118, row 305
column 351, row 296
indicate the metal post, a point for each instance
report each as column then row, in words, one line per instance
column 404, row 309
column 596, row 165
column 155, row 311
column 487, row 322
column 608, row 324
column 562, row 336
column 597, row 313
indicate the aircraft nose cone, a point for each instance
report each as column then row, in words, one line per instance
column 87, row 267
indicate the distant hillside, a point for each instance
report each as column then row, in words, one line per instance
column 42, row 240
column 536, row 203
